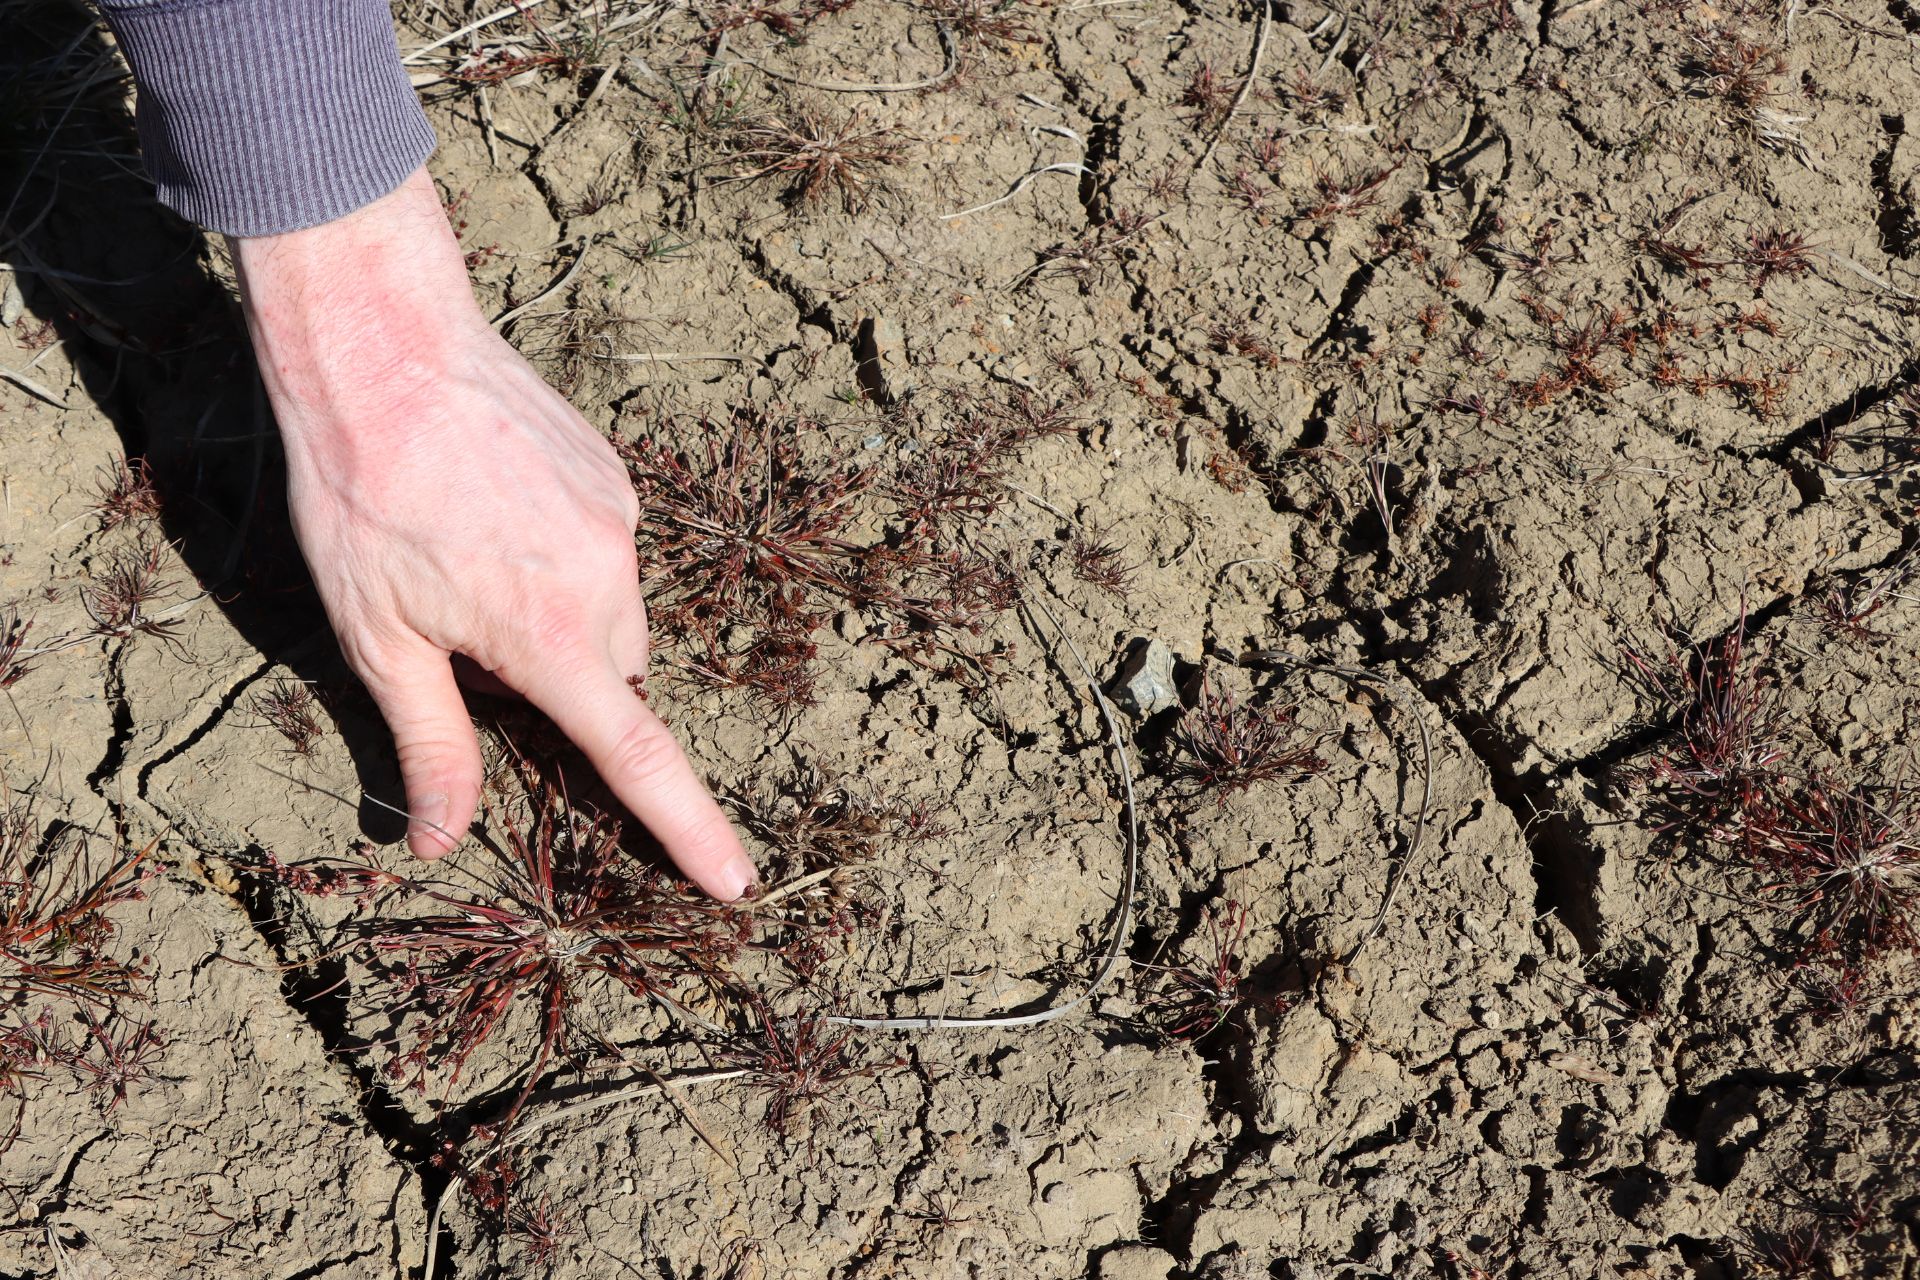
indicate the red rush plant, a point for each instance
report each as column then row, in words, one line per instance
column 798, row 1062
column 1208, row 97
column 121, row 599
column 812, row 822
column 540, row 1230
column 820, row 155
column 1222, row 745
column 749, row 543
column 1195, row 1000
column 289, row 708
column 744, row 535
column 13, row 636
column 1726, row 64
column 1100, row 563
column 1343, row 195
column 24, row 1050
column 55, row 930
column 127, row 493
column 1848, row 860
column 116, row 1055
column 566, row 904
column 1847, row 608
column 1726, row 718
column 1777, row 253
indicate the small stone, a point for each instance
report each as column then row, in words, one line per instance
column 1135, row 1262
column 1144, row 685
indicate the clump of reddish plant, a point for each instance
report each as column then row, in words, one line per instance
column 751, row 541
column 738, row 540
column 1099, row 562
column 57, row 891
column 999, row 22
column 819, row 155
column 1731, row 66
column 1849, row 608
column 1776, row 254
column 1095, row 257
column 13, row 638
column 114, row 1056
column 565, row 905
column 1208, row 96
column 1345, row 194
column 798, row 1062
column 1842, row 856
column 1725, row 721
column 812, row 822
column 55, row 930
column 126, row 493
column 1192, row 1001
column 1847, row 860
column 1236, row 337
column 291, row 709
column 539, row 1229
column 788, row 21
column 121, row 599
column 1590, row 355
column 1226, row 746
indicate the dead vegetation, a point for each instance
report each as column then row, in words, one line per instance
column 820, row 156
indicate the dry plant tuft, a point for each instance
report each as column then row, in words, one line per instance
column 819, row 154
column 1225, row 746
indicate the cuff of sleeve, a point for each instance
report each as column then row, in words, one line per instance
column 258, row 117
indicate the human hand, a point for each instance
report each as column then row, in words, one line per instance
column 449, row 502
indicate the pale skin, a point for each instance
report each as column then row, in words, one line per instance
column 449, row 502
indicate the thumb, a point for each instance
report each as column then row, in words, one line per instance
column 434, row 739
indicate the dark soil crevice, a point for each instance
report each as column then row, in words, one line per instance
column 1898, row 229
column 1351, row 294
column 317, row 990
column 115, row 755
column 1170, row 1218
column 1825, row 425
column 207, row 725
column 1564, row 862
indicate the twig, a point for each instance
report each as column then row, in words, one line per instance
column 666, row 357
column 1253, row 73
column 31, row 387
column 566, row 278
column 1841, row 259
column 518, row 7
column 1065, row 166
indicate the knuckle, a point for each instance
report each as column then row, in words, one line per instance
column 556, row 624
column 642, row 755
column 615, row 550
column 430, row 753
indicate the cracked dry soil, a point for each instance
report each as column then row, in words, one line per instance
column 1474, row 433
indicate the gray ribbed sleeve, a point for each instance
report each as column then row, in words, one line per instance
column 263, row 116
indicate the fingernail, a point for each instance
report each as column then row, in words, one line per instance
column 736, row 878
column 427, row 815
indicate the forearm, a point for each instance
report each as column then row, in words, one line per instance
column 264, row 116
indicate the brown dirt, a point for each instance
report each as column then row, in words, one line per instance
column 1576, row 1047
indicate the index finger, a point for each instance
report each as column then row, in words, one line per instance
column 636, row 755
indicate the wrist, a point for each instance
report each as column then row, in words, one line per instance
column 343, row 314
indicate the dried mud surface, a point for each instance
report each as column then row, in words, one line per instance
column 1572, row 1049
